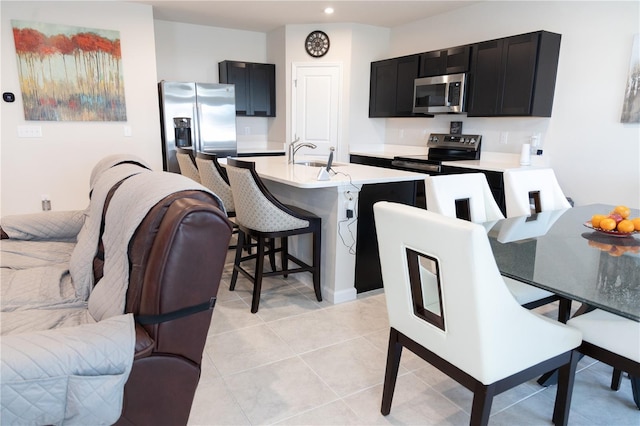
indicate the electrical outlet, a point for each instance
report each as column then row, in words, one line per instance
column 247, row 130
column 504, row 138
column 29, row 131
column 127, row 131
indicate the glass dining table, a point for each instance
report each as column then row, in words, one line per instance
column 559, row 252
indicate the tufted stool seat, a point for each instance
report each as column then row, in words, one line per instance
column 186, row 163
column 260, row 216
column 215, row 178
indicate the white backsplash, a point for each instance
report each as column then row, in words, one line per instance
column 518, row 130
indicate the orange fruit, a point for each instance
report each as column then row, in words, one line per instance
column 623, row 211
column 636, row 223
column 595, row 220
column 625, row 226
column 607, row 224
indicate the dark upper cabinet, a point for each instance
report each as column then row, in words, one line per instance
column 514, row 76
column 255, row 86
column 447, row 61
column 391, row 87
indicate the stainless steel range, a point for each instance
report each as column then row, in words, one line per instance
column 442, row 147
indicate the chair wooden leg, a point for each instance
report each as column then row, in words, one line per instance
column 566, row 377
column 481, row 407
column 635, row 389
column 236, row 263
column 616, row 379
column 257, row 284
column 272, row 253
column 284, row 255
column 564, row 310
column 391, row 372
column 317, row 284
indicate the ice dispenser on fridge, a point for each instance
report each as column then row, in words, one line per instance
column 182, row 131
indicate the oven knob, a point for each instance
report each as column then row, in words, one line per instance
column 473, row 140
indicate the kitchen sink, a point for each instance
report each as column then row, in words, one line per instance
column 318, row 164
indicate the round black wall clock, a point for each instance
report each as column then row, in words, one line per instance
column 317, row 44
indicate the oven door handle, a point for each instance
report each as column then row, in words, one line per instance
column 417, row 166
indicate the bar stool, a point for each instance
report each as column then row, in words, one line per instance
column 261, row 216
column 186, row 163
column 214, row 177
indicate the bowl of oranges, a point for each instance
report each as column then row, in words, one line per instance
column 616, row 223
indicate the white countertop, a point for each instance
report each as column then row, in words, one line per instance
column 491, row 161
column 388, row 151
column 277, row 169
column 260, row 147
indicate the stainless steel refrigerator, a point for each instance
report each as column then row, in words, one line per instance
column 198, row 116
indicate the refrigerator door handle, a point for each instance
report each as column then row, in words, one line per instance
column 196, row 128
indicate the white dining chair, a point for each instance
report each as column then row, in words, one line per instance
column 468, row 196
column 613, row 340
column 528, row 191
column 485, row 341
column 186, row 163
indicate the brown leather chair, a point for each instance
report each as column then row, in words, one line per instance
column 177, row 256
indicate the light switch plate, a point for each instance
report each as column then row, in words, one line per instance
column 29, row 131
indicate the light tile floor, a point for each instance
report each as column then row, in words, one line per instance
column 300, row 362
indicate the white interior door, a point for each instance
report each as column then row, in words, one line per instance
column 316, row 107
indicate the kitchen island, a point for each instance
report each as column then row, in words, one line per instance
column 344, row 202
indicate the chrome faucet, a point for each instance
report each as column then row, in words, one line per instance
column 295, row 146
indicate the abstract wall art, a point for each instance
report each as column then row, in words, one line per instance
column 631, row 104
column 69, row 73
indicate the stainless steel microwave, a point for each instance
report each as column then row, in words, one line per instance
column 440, row 94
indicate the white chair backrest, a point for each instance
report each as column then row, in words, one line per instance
column 519, row 183
column 253, row 209
column 443, row 191
column 211, row 178
column 187, row 166
column 485, row 332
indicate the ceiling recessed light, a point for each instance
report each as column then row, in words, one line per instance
column 328, row 10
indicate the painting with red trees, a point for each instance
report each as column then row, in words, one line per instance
column 69, row 73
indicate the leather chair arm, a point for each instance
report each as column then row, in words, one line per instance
column 144, row 343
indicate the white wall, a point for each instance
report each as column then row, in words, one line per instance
column 60, row 162
column 353, row 47
column 276, row 54
column 596, row 158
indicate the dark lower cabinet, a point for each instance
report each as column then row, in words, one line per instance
column 371, row 161
column 514, row 76
column 368, row 274
column 255, row 86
